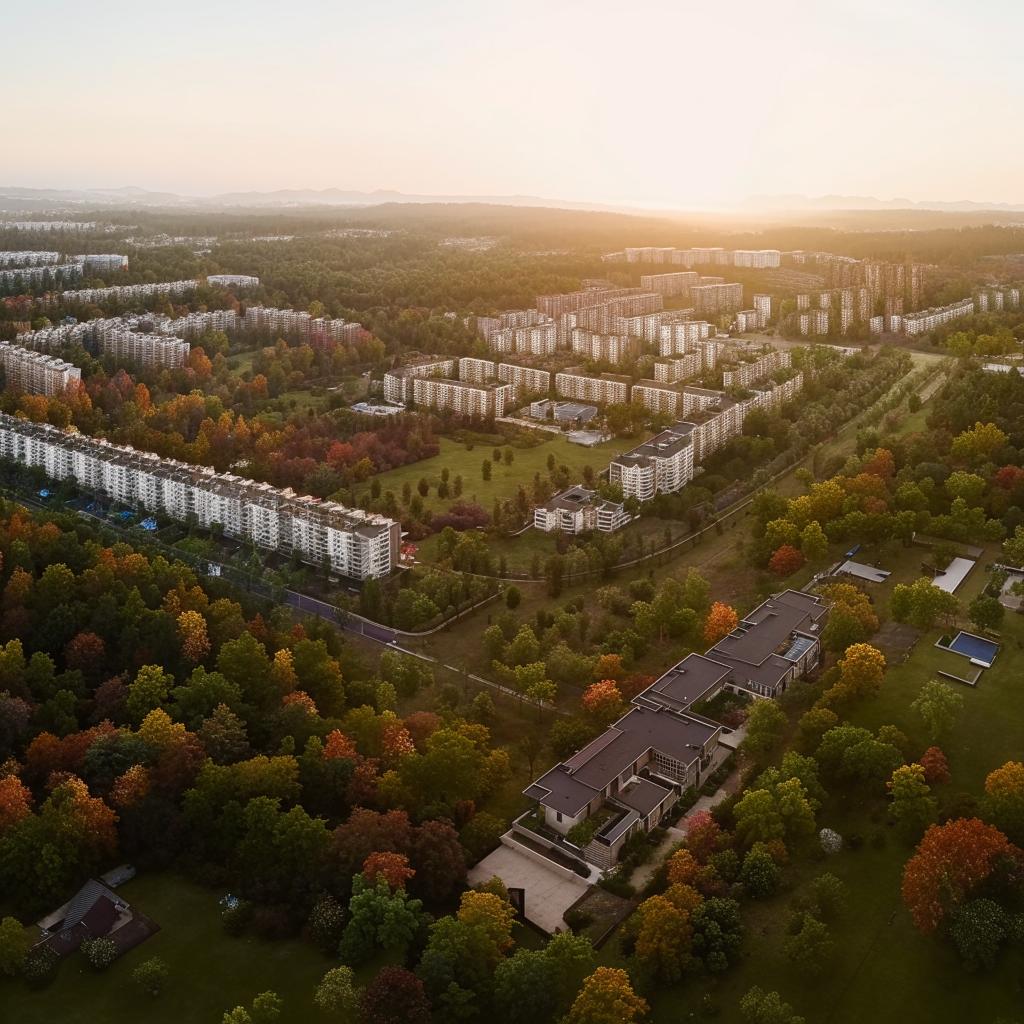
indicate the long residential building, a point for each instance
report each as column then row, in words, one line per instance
column 31, row 258
column 716, row 298
column 570, row 302
column 398, row 384
column 525, row 380
column 102, row 262
column 115, row 337
column 296, row 323
column 536, row 340
column 659, row 466
column 608, row 389
column 463, row 397
column 659, row 397
column 678, row 283
column 232, row 281
column 348, row 542
column 31, row 277
column 48, row 225
column 746, row 373
column 928, row 319
column 487, row 325
column 125, row 292
column 35, row 372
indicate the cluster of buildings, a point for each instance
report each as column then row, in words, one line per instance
column 76, row 226
column 926, row 320
column 114, row 337
column 757, row 259
column 36, row 373
column 294, row 323
column 627, row 779
column 347, row 542
column 666, row 462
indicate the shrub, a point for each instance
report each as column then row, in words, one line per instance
column 577, row 920
column 151, row 975
column 40, row 965
column 236, row 916
column 100, row 953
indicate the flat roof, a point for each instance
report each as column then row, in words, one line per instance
column 954, row 574
column 685, row 683
column 864, row 572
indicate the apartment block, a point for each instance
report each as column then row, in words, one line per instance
column 608, row 389
column 578, row 510
column 747, row 320
column 608, row 348
column 669, row 285
column 669, row 369
column 35, row 373
column 813, row 322
column 462, row 397
column 571, row 302
column 398, row 384
column 604, row 317
column 716, row 298
column 680, row 337
column 763, row 305
column 525, row 380
column 345, row 541
column 51, row 275
column 125, row 292
column 928, row 319
column 143, row 349
column 537, row 340
column 102, row 262
column 77, row 226
column 660, row 398
column 477, row 371
column 232, row 281
column 298, row 324
column 746, row 373
column 757, row 259
column 31, row 258
column 486, row 325
column 659, row 466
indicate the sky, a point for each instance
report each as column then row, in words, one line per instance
column 661, row 103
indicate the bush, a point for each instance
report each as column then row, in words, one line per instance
column 151, row 975
column 577, row 920
column 40, row 965
column 100, row 953
column 236, row 916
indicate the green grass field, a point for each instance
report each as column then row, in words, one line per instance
column 505, row 480
column 210, row 972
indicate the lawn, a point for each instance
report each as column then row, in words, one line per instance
column 466, row 461
column 210, row 972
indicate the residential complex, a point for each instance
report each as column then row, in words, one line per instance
column 35, row 372
column 928, row 319
column 80, row 226
column 758, row 259
column 681, row 336
column 296, row 323
column 232, row 281
column 398, row 384
column 578, row 510
column 716, row 298
column 32, row 258
column 628, row 779
column 51, row 275
column 607, row 348
column 124, row 292
column 113, row 337
column 345, row 541
column 669, row 369
column 101, row 262
column 525, row 380
column 670, row 285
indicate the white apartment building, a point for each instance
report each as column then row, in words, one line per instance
column 717, row 298
column 143, row 349
column 31, row 277
column 345, row 541
column 669, row 369
column 48, row 225
column 757, row 259
column 746, row 373
column 487, row 325
column 578, row 510
column 608, row 389
column 232, row 281
column 465, row 398
column 102, row 262
column 680, row 337
column 525, row 380
column 813, row 322
column 571, row 302
column 398, row 384
column 537, row 340
column 124, row 292
column 747, row 320
column 928, row 319
column 31, row 258
column 763, row 305
column 609, row 348
column 660, row 398
column 477, row 371
column 659, row 466
column 295, row 323
column 35, row 373
column 678, row 283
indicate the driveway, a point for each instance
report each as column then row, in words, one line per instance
column 549, row 893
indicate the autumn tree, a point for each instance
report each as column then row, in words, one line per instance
column 395, row 996
column 913, row 806
column 392, row 868
column 785, row 561
column 603, row 702
column 950, row 863
column 607, row 997
column 1004, row 799
column 15, row 801
column 721, row 621
column 195, row 643
column 861, row 671
column 935, row 765
column 336, row 994
column 761, row 1007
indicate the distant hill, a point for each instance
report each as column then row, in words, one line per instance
column 800, row 202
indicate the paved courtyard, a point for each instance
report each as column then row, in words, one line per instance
column 549, row 892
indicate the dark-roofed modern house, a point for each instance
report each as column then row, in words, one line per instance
column 623, row 782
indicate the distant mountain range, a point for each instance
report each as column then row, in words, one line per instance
column 27, row 199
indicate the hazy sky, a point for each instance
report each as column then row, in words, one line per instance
column 649, row 101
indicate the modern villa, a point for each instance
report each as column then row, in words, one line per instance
column 629, row 778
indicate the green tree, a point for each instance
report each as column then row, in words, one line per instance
column 978, row 929
column 336, row 995
column 766, row 725
column 760, row 1007
column 151, row 975
column 149, row 690
column 813, row 542
column 15, row 942
column 379, row 918
column 938, row 706
column 760, row 874
column 913, row 806
column 810, row 945
column 986, row 612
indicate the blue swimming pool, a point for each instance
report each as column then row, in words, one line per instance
column 971, row 646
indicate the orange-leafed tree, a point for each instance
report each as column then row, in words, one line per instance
column 393, row 868
column 131, row 787
column 935, row 765
column 602, row 701
column 721, row 621
column 1004, row 799
column 195, row 643
column 15, row 801
column 609, row 666
column 786, row 560
column 950, row 862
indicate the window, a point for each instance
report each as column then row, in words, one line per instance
column 558, row 815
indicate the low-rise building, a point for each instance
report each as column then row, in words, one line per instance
column 579, row 510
